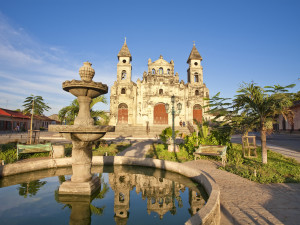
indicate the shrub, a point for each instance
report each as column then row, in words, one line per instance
column 8, row 152
column 159, row 151
column 190, row 143
column 166, row 135
column 110, row 150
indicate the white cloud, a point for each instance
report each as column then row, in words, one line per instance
column 29, row 67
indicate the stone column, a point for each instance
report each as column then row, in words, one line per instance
column 84, row 116
column 81, row 161
column 82, row 182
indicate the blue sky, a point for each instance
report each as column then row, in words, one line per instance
column 43, row 43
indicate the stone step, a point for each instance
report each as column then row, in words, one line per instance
column 136, row 131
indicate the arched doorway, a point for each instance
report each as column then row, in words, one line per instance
column 160, row 114
column 197, row 113
column 123, row 113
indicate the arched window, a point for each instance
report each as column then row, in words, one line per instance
column 161, row 91
column 196, row 77
column 161, row 70
column 168, row 71
column 153, row 71
column 207, row 95
column 197, row 92
column 123, row 74
column 123, row 91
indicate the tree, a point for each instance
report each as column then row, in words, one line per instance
column 70, row 112
column 221, row 123
column 30, row 188
column 37, row 103
column 263, row 103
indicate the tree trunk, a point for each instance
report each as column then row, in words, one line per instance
column 263, row 139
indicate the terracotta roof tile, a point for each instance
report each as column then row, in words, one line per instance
column 12, row 113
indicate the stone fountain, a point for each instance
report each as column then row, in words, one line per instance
column 83, row 132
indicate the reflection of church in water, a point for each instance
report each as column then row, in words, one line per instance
column 161, row 195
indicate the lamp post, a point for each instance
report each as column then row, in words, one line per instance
column 179, row 107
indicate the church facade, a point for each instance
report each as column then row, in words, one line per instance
column 148, row 102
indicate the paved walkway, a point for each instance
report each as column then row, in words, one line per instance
column 289, row 146
column 247, row 202
column 244, row 201
column 137, row 149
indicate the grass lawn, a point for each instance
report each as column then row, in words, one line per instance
column 110, row 149
column 279, row 169
column 160, row 151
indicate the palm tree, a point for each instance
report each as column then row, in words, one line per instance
column 70, row 112
column 36, row 103
column 255, row 100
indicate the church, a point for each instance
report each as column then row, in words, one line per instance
column 149, row 101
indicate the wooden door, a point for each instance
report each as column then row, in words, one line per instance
column 160, row 114
column 123, row 114
column 197, row 113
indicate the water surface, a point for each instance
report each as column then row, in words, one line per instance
column 128, row 195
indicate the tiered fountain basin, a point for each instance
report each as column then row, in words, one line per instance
column 209, row 214
column 81, row 133
column 83, row 88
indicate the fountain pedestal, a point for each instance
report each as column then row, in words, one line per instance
column 82, row 133
column 82, row 182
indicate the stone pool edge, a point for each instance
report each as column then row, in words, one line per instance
column 209, row 214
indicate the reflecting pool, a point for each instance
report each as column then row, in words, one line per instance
column 128, row 195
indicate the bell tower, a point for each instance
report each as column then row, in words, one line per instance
column 195, row 70
column 124, row 66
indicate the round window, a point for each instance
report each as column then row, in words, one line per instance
column 195, row 63
column 124, row 61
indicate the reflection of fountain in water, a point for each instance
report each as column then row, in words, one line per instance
column 82, row 133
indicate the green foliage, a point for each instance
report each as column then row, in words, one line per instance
column 110, row 150
column 263, row 104
column 8, row 152
column 70, row 112
column 166, row 135
column 203, row 132
column 222, row 135
column 278, row 170
column 9, row 156
column 190, row 143
column 160, row 151
column 38, row 104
